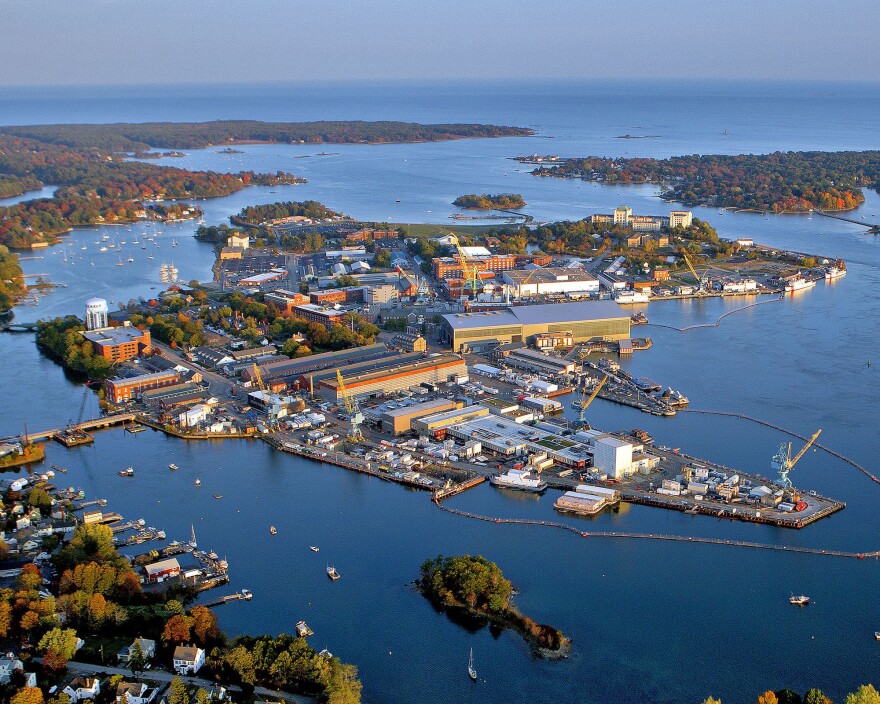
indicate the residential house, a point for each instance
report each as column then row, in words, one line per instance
column 81, row 688
column 188, row 659
column 134, row 693
column 8, row 665
column 148, row 648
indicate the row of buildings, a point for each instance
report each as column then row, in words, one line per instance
column 623, row 217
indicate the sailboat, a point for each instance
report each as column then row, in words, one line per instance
column 472, row 673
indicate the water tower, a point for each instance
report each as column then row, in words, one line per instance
column 96, row 313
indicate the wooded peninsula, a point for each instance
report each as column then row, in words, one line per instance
column 486, row 201
column 781, row 182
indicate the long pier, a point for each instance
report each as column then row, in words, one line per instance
column 660, row 536
column 873, row 477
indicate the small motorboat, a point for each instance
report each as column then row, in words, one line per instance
column 198, row 482
column 314, row 548
column 127, row 472
column 172, row 466
column 273, row 530
column 246, row 594
column 218, row 496
column 799, row 600
column 332, row 573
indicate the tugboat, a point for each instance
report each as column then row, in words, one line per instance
column 472, row 673
column 332, row 573
column 799, row 600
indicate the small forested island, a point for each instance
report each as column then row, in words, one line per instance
column 476, row 587
column 781, row 182
column 486, row 201
column 61, row 339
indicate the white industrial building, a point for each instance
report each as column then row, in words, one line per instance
column 527, row 283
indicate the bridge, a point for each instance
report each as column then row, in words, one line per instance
column 85, row 426
column 18, row 327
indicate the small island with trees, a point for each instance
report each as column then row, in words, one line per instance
column 486, row 201
column 473, row 586
column 781, row 182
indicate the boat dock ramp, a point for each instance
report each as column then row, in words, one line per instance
column 455, row 489
column 243, row 595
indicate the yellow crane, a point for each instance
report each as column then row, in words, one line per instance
column 585, row 402
column 261, row 385
column 693, row 271
column 784, row 462
column 469, row 275
column 355, row 417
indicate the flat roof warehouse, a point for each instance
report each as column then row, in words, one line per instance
column 586, row 320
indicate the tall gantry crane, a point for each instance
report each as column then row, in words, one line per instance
column 355, row 417
column 702, row 281
column 586, row 401
column 468, row 274
column 261, row 385
column 784, row 462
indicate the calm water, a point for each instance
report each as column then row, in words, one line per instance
column 651, row 622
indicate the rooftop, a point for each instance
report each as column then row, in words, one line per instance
column 539, row 314
column 113, row 336
column 548, row 275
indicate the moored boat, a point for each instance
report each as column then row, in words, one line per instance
column 332, row 573
column 520, row 479
column 799, row 600
column 472, row 673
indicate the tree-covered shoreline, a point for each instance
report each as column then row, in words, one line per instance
column 782, row 182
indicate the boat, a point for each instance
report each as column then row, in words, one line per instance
column 218, row 496
column 472, row 673
column 130, row 260
column 799, row 600
column 198, row 482
column 100, row 249
column 246, row 594
column 798, row 284
column 172, row 466
column 314, row 548
column 521, row 479
column 303, row 630
column 647, row 385
column 876, row 635
column 332, row 573
column 127, row 472
column 273, row 530
column 834, row 272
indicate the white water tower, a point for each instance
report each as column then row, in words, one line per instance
column 96, row 313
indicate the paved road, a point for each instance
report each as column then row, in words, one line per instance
column 165, row 677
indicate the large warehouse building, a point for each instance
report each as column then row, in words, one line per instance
column 548, row 281
column 585, row 320
column 380, row 382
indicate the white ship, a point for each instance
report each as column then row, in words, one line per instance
column 521, row 479
column 835, row 272
column 168, row 274
column 798, row 284
column 625, row 297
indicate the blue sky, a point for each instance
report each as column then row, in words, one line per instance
column 182, row 41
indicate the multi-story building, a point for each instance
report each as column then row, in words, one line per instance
column 527, row 283
column 286, row 300
column 319, row 314
column 450, row 267
column 327, row 297
column 118, row 344
column 681, row 218
column 120, row 390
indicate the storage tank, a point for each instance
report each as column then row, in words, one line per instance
column 96, row 313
